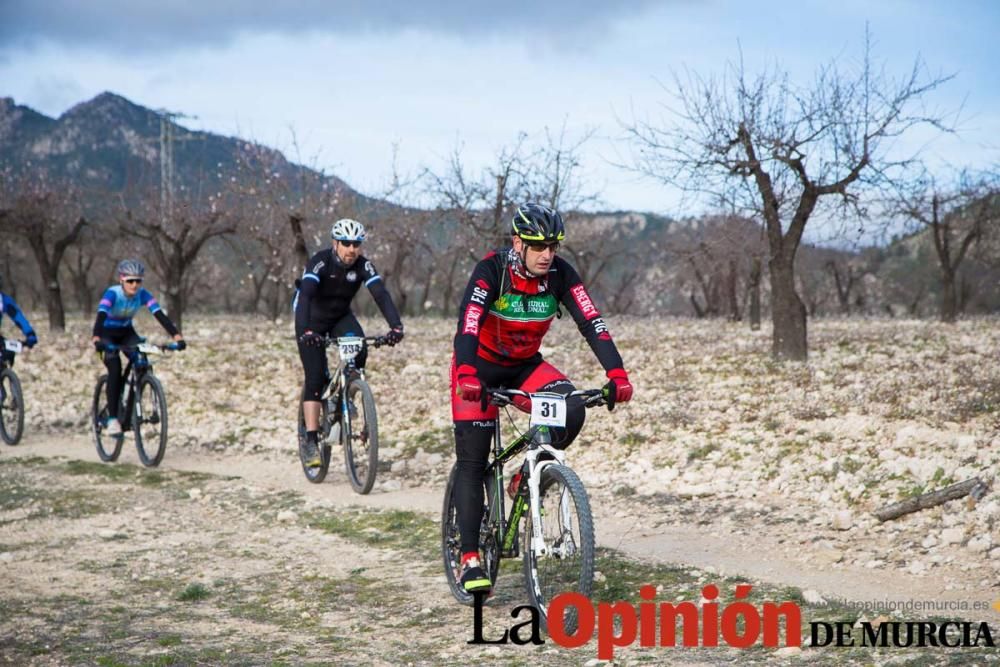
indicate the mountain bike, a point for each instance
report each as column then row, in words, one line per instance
column 347, row 415
column 142, row 407
column 11, row 398
column 558, row 531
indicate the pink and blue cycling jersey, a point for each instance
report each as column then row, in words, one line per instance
column 120, row 309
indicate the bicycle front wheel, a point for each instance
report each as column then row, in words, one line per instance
column 11, row 407
column 566, row 562
column 149, row 420
column 108, row 446
column 360, row 435
column 451, row 544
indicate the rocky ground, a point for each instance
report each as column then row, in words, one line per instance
column 726, row 467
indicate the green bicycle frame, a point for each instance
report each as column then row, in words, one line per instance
column 506, row 531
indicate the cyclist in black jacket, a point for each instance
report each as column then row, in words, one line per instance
column 323, row 306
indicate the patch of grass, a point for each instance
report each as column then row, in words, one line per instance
column 26, row 461
column 633, row 438
column 851, row 464
column 395, row 529
column 152, row 478
column 112, row 472
column 194, row 593
column 169, row 640
column 824, row 436
column 701, row 452
column 787, row 448
column 623, row 491
column 433, row 441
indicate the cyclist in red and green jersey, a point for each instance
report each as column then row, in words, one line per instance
column 509, row 304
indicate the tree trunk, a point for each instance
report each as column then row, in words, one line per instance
column 175, row 303
column 949, row 307
column 54, row 302
column 788, row 314
column 301, row 251
column 50, row 278
column 699, row 312
column 754, row 289
column 735, row 313
column 274, row 303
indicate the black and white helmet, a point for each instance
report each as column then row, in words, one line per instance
column 347, row 229
column 131, row 267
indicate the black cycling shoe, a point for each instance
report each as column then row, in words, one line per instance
column 310, row 453
column 474, row 580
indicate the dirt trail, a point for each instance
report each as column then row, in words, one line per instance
column 634, row 528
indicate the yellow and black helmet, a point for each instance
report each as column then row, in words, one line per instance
column 534, row 222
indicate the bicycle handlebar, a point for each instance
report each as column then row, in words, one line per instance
column 502, row 396
column 165, row 347
column 376, row 341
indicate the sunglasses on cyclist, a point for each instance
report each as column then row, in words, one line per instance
column 538, row 246
column 134, row 281
column 351, row 244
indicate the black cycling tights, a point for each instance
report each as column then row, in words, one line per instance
column 473, row 440
column 113, row 362
column 313, row 358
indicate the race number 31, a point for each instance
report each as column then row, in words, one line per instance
column 548, row 409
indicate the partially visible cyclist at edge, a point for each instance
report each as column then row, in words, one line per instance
column 9, row 308
column 509, row 303
column 323, row 306
column 117, row 307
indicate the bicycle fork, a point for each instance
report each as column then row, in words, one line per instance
column 530, row 501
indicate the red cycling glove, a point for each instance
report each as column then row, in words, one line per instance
column 468, row 386
column 620, row 385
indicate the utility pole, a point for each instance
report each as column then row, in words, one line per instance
column 167, row 162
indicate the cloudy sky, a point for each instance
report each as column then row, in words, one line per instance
column 353, row 78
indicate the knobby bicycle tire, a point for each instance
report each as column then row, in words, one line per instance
column 108, row 447
column 12, row 407
column 568, row 527
column 451, row 544
column 315, row 474
column 360, row 436
column 149, row 420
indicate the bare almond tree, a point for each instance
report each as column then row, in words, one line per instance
column 783, row 154
column 955, row 213
column 175, row 242
column 478, row 206
column 44, row 215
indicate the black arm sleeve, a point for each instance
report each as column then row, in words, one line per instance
column 99, row 322
column 588, row 318
column 482, row 290
column 303, row 305
column 165, row 322
column 385, row 304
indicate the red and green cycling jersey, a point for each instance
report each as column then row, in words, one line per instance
column 506, row 312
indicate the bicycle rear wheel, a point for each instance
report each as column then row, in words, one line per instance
column 360, row 436
column 568, row 529
column 451, row 544
column 11, row 407
column 149, row 420
column 108, row 447
column 315, row 474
